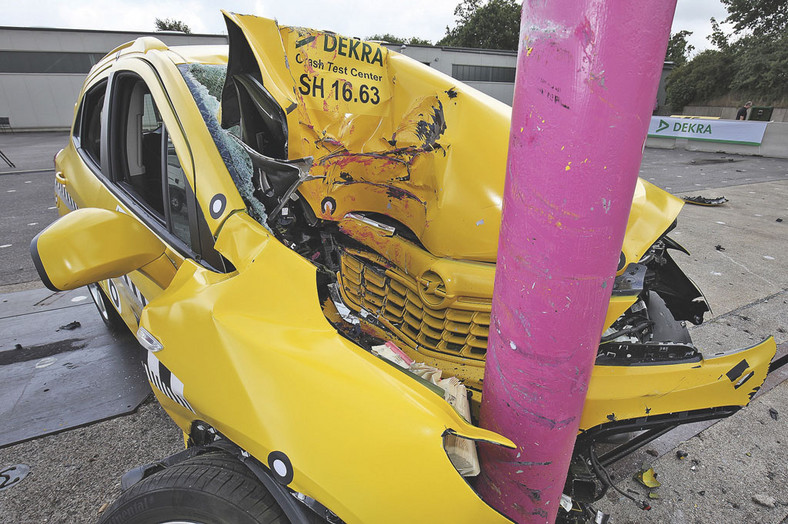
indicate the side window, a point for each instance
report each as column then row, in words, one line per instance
column 89, row 127
column 176, row 197
column 147, row 168
column 138, row 141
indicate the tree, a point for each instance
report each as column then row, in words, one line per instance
column 706, row 76
column 750, row 64
column 494, row 24
column 761, row 65
column 678, row 48
column 391, row 39
column 762, row 17
column 172, row 25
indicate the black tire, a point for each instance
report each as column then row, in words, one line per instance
column 106, row 310
column 209, row 489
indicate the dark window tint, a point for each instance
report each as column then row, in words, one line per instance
column 89, row 130
column 47, row 62
column 478, row 73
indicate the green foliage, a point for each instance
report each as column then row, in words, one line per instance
column 678, row 48
column 718, row 36
column 391, row 39
column 751, row 64
column 761, row 17
column 705, row 76
column 761, row 66
column 170, row 24
column 494, row 24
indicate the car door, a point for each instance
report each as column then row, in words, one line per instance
column 147, row 169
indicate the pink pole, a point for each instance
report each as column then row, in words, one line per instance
column 587, row 77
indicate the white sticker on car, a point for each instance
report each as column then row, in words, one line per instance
column 162, row 379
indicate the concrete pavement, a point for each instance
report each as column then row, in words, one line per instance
column 738, row 259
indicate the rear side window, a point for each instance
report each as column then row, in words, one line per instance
column 138, row 143
column 91, row 121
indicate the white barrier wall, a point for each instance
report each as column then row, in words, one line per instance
column 769, row 139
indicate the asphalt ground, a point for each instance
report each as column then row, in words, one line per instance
column 738, row 260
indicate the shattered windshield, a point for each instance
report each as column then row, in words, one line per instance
column 206, row 82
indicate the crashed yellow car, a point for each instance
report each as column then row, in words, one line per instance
column 301, row 231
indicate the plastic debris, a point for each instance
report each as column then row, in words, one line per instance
column 392, row 353
column 773, row 413
column 681, row 455
column 13, row 475
column 719, row 248
column 648, row 478
column 461, row 451
column 779, row 220
column 601, row 518
column 71, row 326
column 653, row 495
column 704, row 201
column 764, row 500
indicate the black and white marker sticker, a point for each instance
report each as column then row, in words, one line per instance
column 162, row 379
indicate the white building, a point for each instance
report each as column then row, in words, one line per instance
column 42, row 69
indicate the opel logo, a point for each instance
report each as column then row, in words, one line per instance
column 428, row 284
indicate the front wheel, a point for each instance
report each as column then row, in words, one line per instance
column 213, row 488
column 108, row 313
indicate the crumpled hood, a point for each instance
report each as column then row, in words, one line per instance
column 392, row 136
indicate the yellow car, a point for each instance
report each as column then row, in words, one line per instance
column 301, row 230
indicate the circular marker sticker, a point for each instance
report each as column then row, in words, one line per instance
column 218, row 203
column 113, row 294
column 281, row 467
column 328, row 205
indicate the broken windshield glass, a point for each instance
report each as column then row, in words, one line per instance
column 205, row 82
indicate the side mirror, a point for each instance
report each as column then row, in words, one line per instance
column 89, row 245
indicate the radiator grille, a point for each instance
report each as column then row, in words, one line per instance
column 457, row 326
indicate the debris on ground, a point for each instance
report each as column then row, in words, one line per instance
column 652, row 452
column 681, row 455
column 719, row 248
column 764, row 500
column 648, row 478
column 773, row 413
column 71, row 326
column 705, row 201
column 13, row 475
column 779, row 220
column 653, row 495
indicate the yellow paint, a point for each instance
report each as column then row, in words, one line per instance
column 258, row 358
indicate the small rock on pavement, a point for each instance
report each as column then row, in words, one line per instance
column 764, row 500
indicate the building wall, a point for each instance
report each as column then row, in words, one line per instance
column 444, row 58
column 45, row 100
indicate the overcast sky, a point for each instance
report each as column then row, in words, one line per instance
column 349, row 17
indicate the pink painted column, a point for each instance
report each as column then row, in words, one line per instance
column 587, row 77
